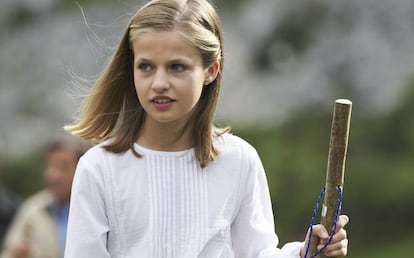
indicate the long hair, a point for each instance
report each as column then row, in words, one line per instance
column 112, row 110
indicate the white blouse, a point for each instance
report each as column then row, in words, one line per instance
column 164, row 205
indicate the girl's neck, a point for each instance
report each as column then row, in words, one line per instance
column 165, row 136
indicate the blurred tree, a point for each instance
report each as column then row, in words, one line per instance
column 23, row 175
column 291, row 36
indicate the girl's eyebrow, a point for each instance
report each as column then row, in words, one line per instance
column 173, row 60
column 143, row 59
column 180, row 60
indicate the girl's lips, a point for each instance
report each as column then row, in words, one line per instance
column 161, row 99
column 162, row 102
column 163, row 105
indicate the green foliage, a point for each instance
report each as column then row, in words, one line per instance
column 378, row 190
column 402, row 248
column 23, row 175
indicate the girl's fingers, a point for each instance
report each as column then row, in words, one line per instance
column 337, row 253
column 335, row 246
column 339, row 236
column 338, row 245
column 337, row 249
column 320, row 232
column 339, row 242
column 342, row 221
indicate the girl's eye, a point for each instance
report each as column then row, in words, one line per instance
column 145, row 67
column 177, row 67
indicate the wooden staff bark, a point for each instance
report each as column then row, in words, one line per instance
column 338, row 146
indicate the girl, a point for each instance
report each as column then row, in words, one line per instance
column 163, row 181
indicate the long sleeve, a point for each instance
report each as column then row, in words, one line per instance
column 253, row 228
column 88, row 225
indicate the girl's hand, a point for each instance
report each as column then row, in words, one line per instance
column 338, row 245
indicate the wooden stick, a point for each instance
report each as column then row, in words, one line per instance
column 338, row 145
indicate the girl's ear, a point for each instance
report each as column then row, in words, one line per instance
column 211, row 72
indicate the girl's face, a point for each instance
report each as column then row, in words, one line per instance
column 169, row 76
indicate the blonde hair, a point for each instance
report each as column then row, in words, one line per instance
column 112, row 109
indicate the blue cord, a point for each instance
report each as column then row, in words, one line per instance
column 315, row 211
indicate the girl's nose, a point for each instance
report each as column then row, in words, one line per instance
column 160, row 82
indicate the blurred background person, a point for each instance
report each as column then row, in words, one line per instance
column 9, row 203
column 39, row 227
